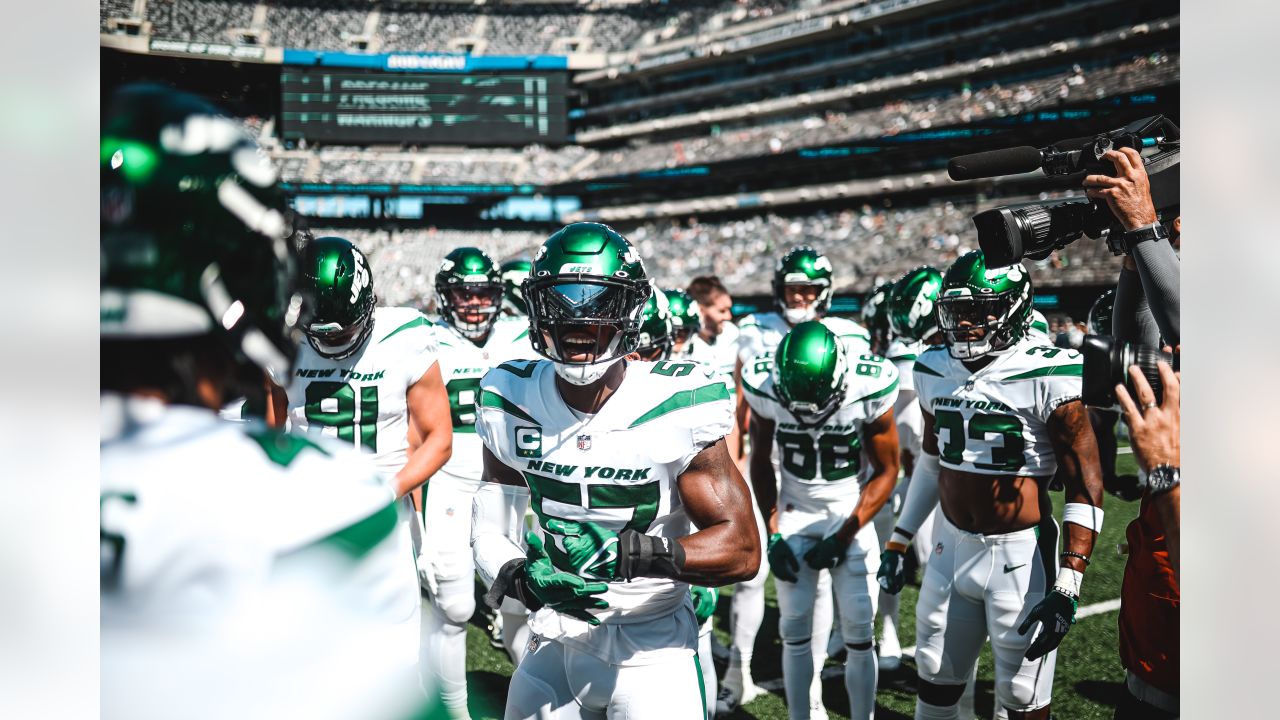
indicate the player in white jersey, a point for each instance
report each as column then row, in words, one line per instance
column 658, row 341
column 620, row 458
column 514, row 273
column 802, row 291
column 826, row 413
column 472, row 339
column 211, row 530
column 1002, row 414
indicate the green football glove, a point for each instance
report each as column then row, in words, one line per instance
column 892, row 574
column 592, row 548
column 827, row 553
column 1057, row 613
column 561, row 591
column 704, row 602
column 781, row 559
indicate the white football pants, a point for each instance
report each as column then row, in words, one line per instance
column 980, row 586
column 855, row 592
column 447, row 572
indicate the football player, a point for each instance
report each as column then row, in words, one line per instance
column 656, row 340
column 211, row 530
column 472, row 339
column 802, row 291
column 913, row 327
column 686, row 320
column 1002, row 413
column 825, row 412
column 513, row 274
column 619, row 458
column 716, row 344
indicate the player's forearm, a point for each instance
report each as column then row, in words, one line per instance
column 874, row 495
column 765, row 488
column 721, row 554
column 431, row 455
column 922, row 496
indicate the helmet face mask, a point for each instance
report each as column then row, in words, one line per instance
column 469, row 292
column 810, row 368
column 514, row 273
column 803, row 266
column 585, row 298
column 983, row 311
column 339, row 276
column 686, row 317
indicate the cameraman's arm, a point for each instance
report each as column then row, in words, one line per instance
column 1131, row 319
column 1128, row 194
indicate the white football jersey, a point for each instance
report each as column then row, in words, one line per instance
column 821, row 465
column 720, row 356
column 906, row 411
column 760, row 333
column 197, row 513
column 462, row 364
column 362, row 399
column 617, row 468
column 993, row 421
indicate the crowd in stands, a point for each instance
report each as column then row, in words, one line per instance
column 867, row 245
column 892, row 118
column 431, row 26
column 533, row 164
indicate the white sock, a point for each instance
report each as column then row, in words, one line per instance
column 747, row 612
column 515, row 635
column 708, row 674
column 446, row 650
column 966, row 700
column 823, row 620
column 925, row 711
column 889, row 628
column 860, row 674
column 798, row 677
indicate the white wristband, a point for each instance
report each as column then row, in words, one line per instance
column 899, row 537
column 1086, row 516
column 1068, row 582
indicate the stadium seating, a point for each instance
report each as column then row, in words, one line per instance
column 199, row 20
column 315, row 23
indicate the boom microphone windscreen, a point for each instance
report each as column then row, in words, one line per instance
column 995, row 163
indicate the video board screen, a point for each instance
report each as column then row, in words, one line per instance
column 371, row 106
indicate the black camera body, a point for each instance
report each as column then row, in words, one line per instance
column 1034, row 230
column 1106, row 364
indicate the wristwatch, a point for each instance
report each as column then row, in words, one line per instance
column 1163, row 478
column 1122, row 243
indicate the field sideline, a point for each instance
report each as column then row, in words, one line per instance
column 1087, row 683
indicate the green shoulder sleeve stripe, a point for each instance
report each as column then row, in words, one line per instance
column 856, row 335
column 358, row 539
column 488, row 398
column 416, row 322
column 881, row 392
column 1075, row 370
column 903, row 357
column 921, row 368
column 524, row 372
column 684, row 399
column 523, row 334
column 756, row 391
column 281, row 447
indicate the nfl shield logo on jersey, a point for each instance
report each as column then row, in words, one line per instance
column 584, row 442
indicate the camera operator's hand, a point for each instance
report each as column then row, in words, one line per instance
column 1153, row 429
column 1128, row 194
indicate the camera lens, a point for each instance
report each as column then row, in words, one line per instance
column 1145, row 358
column 1008, row 234
column 1106, row 364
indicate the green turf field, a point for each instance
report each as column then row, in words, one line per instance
column 1087, row 682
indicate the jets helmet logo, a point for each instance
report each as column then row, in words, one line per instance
column 361, row 278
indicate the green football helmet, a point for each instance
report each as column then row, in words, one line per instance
column 875, row 316
column 686, row 318
column 983, row 310
column 803, row 265
column 809, row 371
column 468, row 283
column 513, row 274
column 585, row 295
column 656, row 336
column 1100, row 314
column 338, row 274
column 911, row 303
column 194, row 236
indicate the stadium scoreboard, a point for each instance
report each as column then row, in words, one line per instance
column 372, row 106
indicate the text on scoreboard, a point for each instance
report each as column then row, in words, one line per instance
column 371, row 106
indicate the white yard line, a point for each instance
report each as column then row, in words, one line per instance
column 836, row 671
